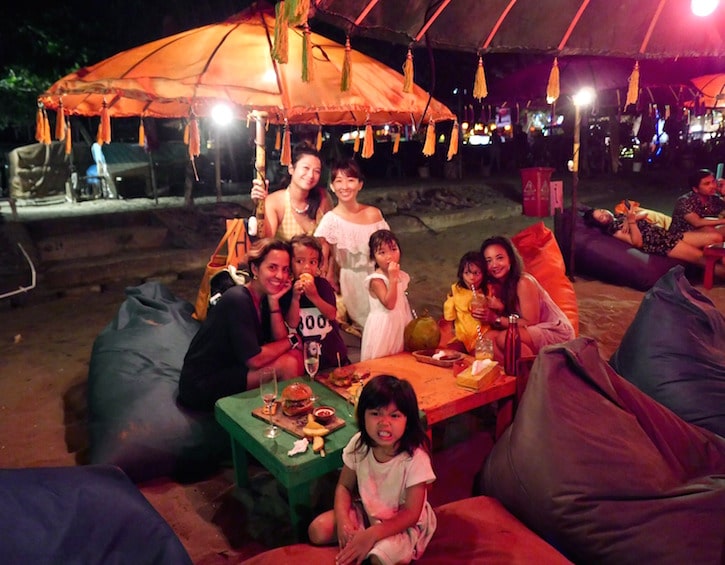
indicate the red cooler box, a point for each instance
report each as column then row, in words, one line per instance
column 536, row 191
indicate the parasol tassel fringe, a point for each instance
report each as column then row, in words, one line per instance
column 105, row 124
column 186, row 134
column 356, row 143
column 194, row 138
column 552, row 87
column 368, row 143
column 408, row 72
column 633, row 89
column 453, row 145
column 141, row 133
column 46, row 128
column 318, row 142
column 99, row 135
column 296, row 11
column 346, row 79
column 285, row 158
column 308, row 67
column 480, row 89
column 60, row 123
column 68, row 140
column 429, row 147
column 280, row 45
column 39, row 125
column 396, row 143
column 278, row 140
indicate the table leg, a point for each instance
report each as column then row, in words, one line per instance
column 239, row 457
column 709, row 272
column 505, row 415
column 300, row 509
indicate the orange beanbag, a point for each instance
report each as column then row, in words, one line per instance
column 543, row 260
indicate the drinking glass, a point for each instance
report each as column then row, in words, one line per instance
column 268, row 391
column 312, row 361
column 484, row 348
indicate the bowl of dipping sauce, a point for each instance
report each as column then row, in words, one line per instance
column 324, row 414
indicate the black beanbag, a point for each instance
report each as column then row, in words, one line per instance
column 674, row 351
column 604, row 473
column 608, row 259
column 88, row 515
column 133, row 379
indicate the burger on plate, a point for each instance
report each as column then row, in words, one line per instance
column 297, row 399
column 342, row 376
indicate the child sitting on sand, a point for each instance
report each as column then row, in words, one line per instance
column 457, row 307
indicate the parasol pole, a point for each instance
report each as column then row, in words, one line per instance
column 260, row 164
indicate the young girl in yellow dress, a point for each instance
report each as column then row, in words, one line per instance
column 457, row 307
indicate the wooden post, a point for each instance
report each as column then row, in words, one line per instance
column 574, row 187
column 260, row 165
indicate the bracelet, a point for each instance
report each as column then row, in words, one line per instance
column 277, row 311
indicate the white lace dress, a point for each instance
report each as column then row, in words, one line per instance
column 383, row 333
column 352, row 254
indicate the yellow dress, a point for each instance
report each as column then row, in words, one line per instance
column 457, row 309
column 289, row 227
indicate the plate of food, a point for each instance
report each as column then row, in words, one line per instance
column 439, row 357
column 342, row 379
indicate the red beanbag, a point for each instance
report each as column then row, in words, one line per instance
column 543, row 260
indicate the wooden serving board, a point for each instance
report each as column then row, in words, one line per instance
column 294, row 424
column 426, row 356
column 341, row 390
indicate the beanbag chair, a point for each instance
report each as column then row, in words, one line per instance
column 134, row 419
column 603, row 472
column 610, row 260
column 674, row 351
column 89, row 515
column 542, row 259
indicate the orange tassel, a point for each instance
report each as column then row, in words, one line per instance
column 46, row 128
column 285, row 157
column 59, row 124
column 633, row 90
column 396, row 143
column 308, row 67
column 429, row 148
column 99, row 137
column 141, row 133
column 453, row 145
column 278, row 140
column 346, row 79
column 105, row 124
column 318, row 144
column 194, row 138
column 356, row 144
column 186, row 134
column 552, row 87
column 68, row 141
column 368, row 142
column 280, row 46
column 408, row 72
column 480, row 89
column 39, row 125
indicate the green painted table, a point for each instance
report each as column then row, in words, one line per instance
column 296, row 473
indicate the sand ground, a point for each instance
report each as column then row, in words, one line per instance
column 46, row 342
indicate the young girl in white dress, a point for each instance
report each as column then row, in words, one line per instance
column 346, row 232
column 388, row 464
column 389, row 308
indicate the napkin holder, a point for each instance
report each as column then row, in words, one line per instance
column 485, row 374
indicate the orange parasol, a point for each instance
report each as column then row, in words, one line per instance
column 712, row 87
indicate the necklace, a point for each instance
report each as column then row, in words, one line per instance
column 303, row 210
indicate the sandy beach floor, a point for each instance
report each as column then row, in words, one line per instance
column 45, row 346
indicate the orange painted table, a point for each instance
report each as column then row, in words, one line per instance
column 438, row 394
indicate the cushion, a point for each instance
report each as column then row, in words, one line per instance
column 91, row 514
column 134, row 419
column 610, row 260
column 472, row 530
column 542, row 259
column 604, row 473
column 674, row 351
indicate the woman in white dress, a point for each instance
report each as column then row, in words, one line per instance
column 345, row 232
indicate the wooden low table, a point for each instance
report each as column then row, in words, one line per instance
column 439, row 397
column 712, row 253
column 296, row 473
